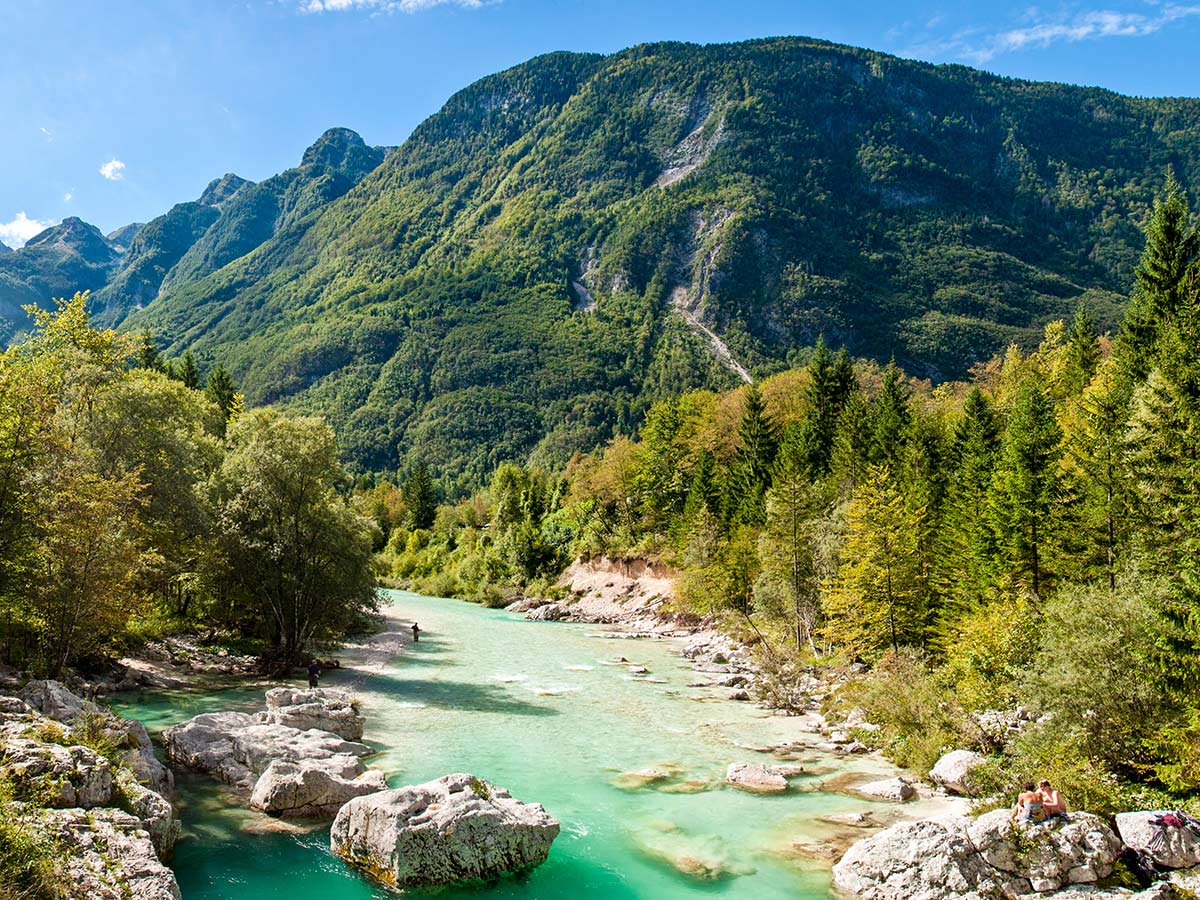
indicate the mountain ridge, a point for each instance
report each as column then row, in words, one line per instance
column 569, row 239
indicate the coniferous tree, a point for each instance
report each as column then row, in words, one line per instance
column 147, row 356
column 188, row 372
column 891, row 420
column 1026, row 486
column 852, row 444
column 966, row 541
column 831, row 381
column 1096, row 459
column 420, row 495
column 1082, row 352
column 759, row 442
column 1172, row 246
column 877, row 598
column 222, row 391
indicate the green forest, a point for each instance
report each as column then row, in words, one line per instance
column 135, row 501
column 1026, row 538
column 509, row 281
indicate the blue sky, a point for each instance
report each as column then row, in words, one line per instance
column 113, row 111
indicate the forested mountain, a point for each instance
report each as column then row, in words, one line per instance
column 69, row 257
column 564, row 242
column 128, row 268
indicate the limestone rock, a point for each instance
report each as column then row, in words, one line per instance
column 314, row 788
column 54, row 701
column 897, row 790
column 153, row 809
column 549, row 612
column 756, row 779
column 324, row 710
column 1081, row 849
column 111, row 856
column 237, row 749
column 926, row 860
column 455, row 829
column 53, row 775
column 953, row 771
column 1170, row 847
column 955, row 858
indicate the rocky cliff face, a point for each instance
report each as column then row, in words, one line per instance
column 86, row 784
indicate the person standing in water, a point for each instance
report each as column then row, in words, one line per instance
column 314, row 673
column 416, row 632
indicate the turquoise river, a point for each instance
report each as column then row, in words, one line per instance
column 541, row 709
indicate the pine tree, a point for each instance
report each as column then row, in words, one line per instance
column 1082, row 352
column 1026, row 485
column 188, row 372
column 420, row 495
column 1172, row 246
column 852, row 444
column 222, row 391
column 1096, row 459
column 147, row 356
column 877, row 599
column 966, row 545
column 891, row 420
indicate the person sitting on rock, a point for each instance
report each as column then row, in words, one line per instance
column 1052, row 801
column 1029, row 806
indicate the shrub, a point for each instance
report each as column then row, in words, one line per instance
column 917, row 716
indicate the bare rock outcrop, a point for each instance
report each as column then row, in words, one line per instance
column 456, row 829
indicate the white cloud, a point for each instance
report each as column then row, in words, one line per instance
column 21, row 229
column 47, row 133
column 979, row 45
column 113, row 170
column 408, row 6
column 68, row 197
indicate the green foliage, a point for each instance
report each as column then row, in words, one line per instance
column 521, row 279
column 31, row 868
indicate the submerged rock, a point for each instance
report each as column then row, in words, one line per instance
column 455, row 829
column 756, row 779
column 953, row 771
column 314, row 788
column 702, row 857
column 324, row 710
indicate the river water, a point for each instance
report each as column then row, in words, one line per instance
column 541, row 709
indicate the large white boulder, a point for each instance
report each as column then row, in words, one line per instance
column 110, row 856
column 1080, row 849
column 925, row 860
column 756, row 779
column 455, row 829
column 955, row 858
column 314, row 788
column 1171, row 846
column 237, row 749
column 953, row 771
column 324, row 710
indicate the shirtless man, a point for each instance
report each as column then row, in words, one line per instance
column 1052, row 800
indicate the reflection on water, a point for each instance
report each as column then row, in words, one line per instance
column 545, row 710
